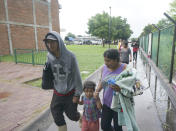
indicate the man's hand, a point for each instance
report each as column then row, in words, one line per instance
column 76, row 99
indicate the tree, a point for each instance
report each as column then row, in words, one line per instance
column 71, row 35
column 147, row 29
column 68, row 36
column 134, row 39
column 163, row 23
column 98, row 26
column 120, row 29
column 172, row 10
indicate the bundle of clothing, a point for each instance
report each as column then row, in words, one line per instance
column 123, row 102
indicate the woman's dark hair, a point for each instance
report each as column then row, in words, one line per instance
column 112, row 54
column 89, row 84
column 125, row 42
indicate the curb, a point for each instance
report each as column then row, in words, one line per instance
column 94, row 75
column 39, row 123
column 45, row 119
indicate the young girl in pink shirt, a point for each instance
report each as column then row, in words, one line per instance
column 92, row 107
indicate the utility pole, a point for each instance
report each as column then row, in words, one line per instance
column 109, row 41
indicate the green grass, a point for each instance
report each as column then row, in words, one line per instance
column 35, row 83
column 89, row 57
column 7, row 58
column 25, row 56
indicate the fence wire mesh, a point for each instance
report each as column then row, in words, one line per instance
column 165, row 50
column 154, row 46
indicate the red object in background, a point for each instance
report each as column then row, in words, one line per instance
column 135, row 49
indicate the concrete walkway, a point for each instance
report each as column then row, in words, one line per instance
column 20, row 103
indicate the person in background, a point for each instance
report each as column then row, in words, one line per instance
column 125, row 53
column 61, row 73
column 119, row 45
column 135, row 46
column 92, row 108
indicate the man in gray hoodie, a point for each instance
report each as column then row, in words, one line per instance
column 61, row 73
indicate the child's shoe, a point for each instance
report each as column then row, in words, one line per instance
column 80, row 119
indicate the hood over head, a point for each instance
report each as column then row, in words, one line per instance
column 53, row 35
column 50, row 37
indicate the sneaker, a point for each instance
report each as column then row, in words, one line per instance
column 80, row 119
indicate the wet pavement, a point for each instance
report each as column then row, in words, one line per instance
column 145, row 109
column 20, row 103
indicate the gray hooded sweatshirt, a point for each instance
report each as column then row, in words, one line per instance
column 65, row 69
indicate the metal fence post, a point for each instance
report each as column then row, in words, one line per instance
column 173, row 47
column 173, row 52
column 155, row 88
column 157, row 57
column 151, row 44
column 15, row 56
column 33, row 58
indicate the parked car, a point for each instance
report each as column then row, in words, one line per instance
column 87, row 42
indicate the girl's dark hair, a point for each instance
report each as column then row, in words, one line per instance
column 112, row 54
column 125, row 42
column 89, row 84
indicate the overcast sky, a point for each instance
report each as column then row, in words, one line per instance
column 74, row 14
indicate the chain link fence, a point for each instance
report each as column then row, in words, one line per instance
column 161, row 72
column 161, row 48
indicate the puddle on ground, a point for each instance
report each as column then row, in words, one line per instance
column 84, row 72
